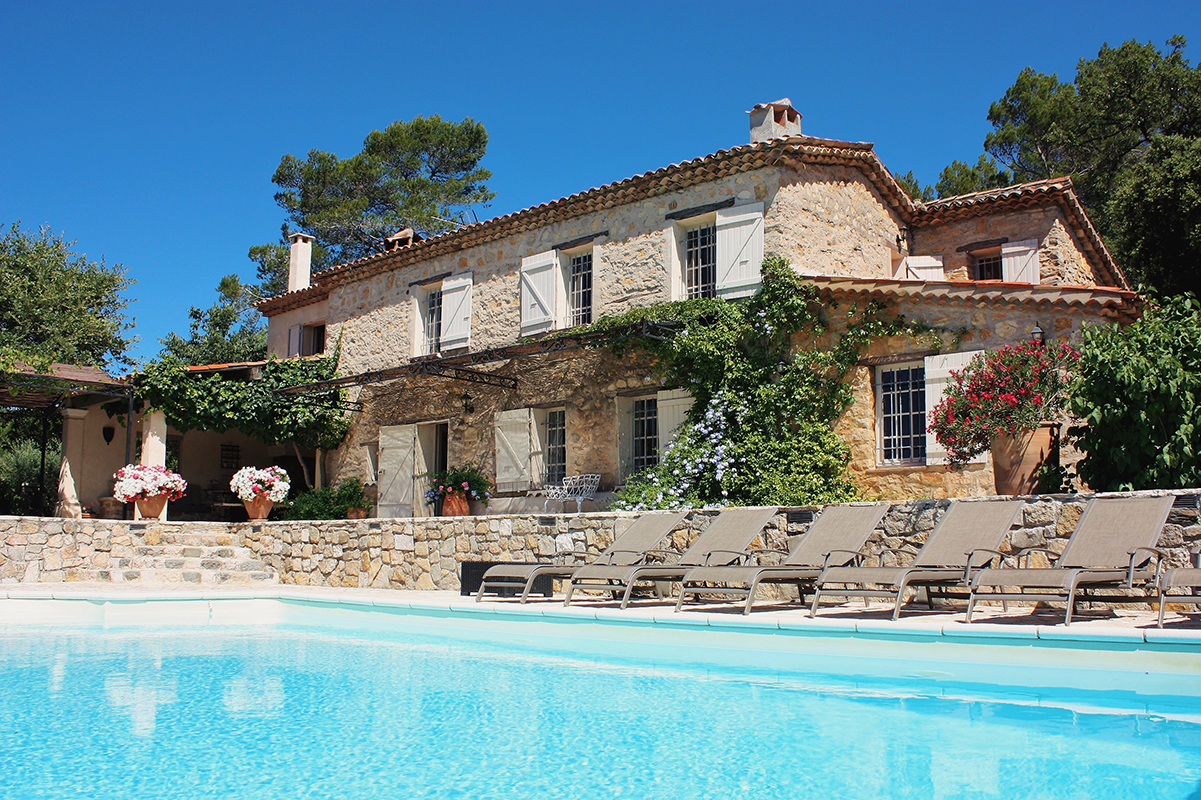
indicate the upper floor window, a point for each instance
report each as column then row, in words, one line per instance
column 306, row 340
column 431, row 319
column 579, row 289
column 700, row 262
column 986, row 265
column 1003, row 260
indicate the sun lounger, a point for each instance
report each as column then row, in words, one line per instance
column 724, row 542
column 965, row 537
column 833, row 539
column 629, row 548
column 1110, row 548
column 1187, row 578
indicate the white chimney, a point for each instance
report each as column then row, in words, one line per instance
column 300, row 261
column 773, row 120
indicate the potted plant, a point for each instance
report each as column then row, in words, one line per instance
column 1009, row 402
column 455, row 488
column 259, row 489
column 151, row 487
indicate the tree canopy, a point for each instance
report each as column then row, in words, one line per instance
column 419, row 174
column 231, row 330
column 56, row 305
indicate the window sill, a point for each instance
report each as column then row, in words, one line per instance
column 885, row 469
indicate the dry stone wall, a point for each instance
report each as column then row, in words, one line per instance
column 426, row 553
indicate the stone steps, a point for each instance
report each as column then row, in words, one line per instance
column 165, row 575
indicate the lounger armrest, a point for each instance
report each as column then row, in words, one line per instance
column 711, row 553
column 971, row 555
column 1163, row 557
column 855, row 556
column 1027, row 551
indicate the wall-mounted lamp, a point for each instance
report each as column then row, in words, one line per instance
column 109, row 432
column 468, row 405
column 1037, row 335
column 902, row 238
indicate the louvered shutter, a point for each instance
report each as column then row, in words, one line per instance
column 922, row 268
column 397, row 459
column 1019, row 262
column 739, row 250
column 673, row 406
column 294, row 340
column 513, row 450
column 539, row 288
column 456, row 311
column 938, row 373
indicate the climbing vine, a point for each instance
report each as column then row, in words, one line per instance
column 761, row 429
column 213, row 402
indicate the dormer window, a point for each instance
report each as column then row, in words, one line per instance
column 986, row 265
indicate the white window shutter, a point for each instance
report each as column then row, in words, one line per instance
column 539, row 289
column 673, row 406
column 294, row 340
column 1019, row 261
column 739, row 250
column 938, row 374
column 456, row 311
column 513, row 450
column 397, row 470
column 921, row 268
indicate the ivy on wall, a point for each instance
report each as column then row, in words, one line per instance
column 761, row 429
column 212, row 402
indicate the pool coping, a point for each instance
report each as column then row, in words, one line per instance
column 793, row 620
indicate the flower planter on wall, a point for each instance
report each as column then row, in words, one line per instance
column 455, row 505
column 1016, row 459
column 258, row 508
column 152, row 507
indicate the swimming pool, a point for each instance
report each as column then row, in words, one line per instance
column 294, row 698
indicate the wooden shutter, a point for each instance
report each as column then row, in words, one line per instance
column 673, row 406
column 1019, row 261
column 938, row 373
column 539, row 289
column 456, row 311
column 397, row 461
column 513, row 450
column 922, row 268
column 739, row 250
column 294, row 340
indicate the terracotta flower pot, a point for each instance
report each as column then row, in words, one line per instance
column 151, row 507
column 455, row 505
column 356, row 513
column 1016, row 459
column 258, row 508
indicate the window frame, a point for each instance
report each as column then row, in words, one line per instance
column 991, row 257
column 554, row 446
column 423, row 343
column 648, row 438
column 917, row 441
column 578, row 312
column 707, row 223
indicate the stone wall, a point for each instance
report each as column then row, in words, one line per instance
column 425, row 553
column 1061, row 260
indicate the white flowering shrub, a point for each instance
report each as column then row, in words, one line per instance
column 142, row 482
column 251, row 483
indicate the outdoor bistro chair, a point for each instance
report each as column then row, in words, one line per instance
column 1178, row 578
column 725, row 541
column 574, row 487
column 644, row 534
column 833, row 539
column 966, row 537
column 1111, row 547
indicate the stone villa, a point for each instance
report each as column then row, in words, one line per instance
column 445, row 318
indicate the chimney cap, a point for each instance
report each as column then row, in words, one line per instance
column 774, row 120
column 402, row 238
column 299, row 236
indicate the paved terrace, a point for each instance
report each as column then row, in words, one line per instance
column 1098, row 625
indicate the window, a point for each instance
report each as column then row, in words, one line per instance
column 316, row 339
column 431, row 319
column 700, row 262
column 231, row 456
column 556, row 446
column 579, row 294
column 901, row 413
column 986, row 266
column 645, row 438
column 306, row 340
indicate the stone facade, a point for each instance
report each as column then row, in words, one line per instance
column 425, row 553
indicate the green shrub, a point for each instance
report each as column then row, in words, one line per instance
column 326, row 503
column 20, row 461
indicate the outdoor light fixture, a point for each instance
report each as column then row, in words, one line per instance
column 109, row 432
column 902, row 237
column 468, row 406
column 1037, row 335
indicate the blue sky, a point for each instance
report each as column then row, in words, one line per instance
column 149, row 131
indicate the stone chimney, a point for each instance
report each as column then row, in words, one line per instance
column 773, row 120
column 402, row 238
column 300, row 261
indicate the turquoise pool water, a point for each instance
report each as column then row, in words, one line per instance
column 287, row 711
